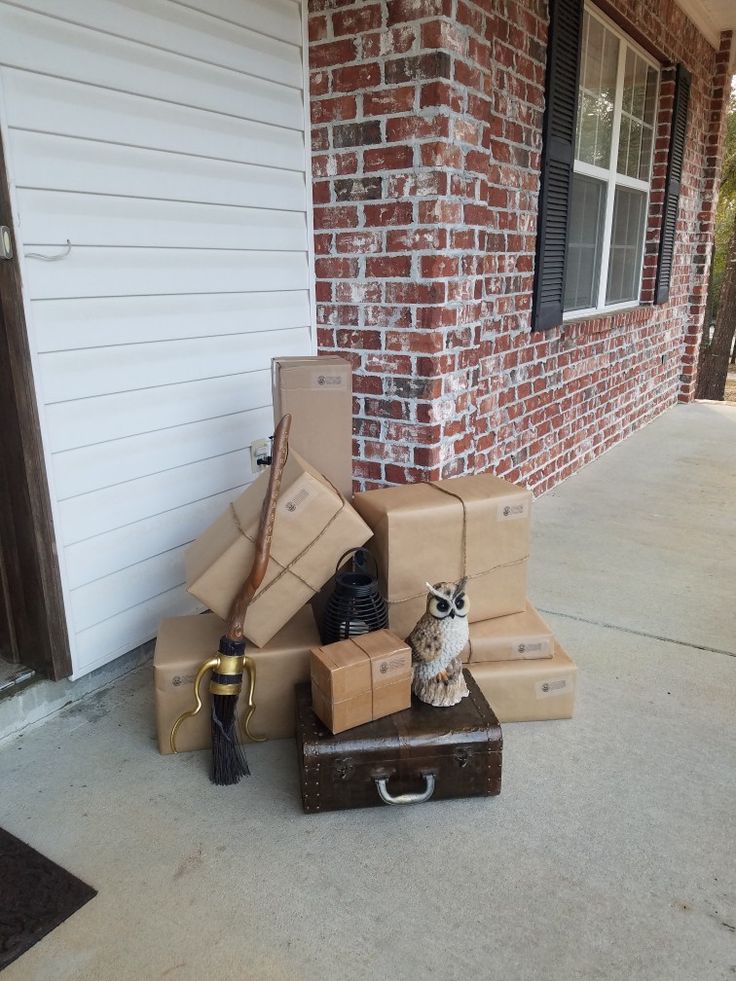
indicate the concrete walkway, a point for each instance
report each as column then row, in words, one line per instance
column 609, row 855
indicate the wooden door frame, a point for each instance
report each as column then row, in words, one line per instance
column 27, row 540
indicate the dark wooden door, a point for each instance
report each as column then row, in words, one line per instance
column 32, row 618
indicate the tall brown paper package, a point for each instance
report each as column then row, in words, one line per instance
column 314, row 526
column 476, row 526
column 529, row 691
column 318, row 392
column 515, row 637
column 184, row 643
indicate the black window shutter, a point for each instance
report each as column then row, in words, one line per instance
column 672, row 186
column 558, row 151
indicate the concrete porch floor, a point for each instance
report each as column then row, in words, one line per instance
column 609, row 854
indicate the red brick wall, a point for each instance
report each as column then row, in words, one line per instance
column 426, row 137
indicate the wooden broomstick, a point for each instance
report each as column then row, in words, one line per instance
column 228, row 758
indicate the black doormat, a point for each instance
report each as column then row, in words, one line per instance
column 36, row 895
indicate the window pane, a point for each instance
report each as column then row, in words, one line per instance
column 627, row 234
column 637, row 118
column 599, row 61
column 584, row 242
column 646, row 153
column 650, row 101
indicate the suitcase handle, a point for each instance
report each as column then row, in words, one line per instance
column 387, row 798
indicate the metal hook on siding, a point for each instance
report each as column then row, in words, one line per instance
column 50, row 258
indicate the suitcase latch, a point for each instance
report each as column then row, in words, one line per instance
column 462, row 756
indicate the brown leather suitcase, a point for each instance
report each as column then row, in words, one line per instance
column 420, row 754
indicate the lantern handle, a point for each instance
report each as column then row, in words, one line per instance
column 353, row 551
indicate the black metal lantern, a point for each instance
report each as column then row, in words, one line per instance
column 355, row 606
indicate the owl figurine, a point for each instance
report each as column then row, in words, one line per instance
column 436, row 642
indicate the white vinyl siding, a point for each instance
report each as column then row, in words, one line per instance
column 166, row 140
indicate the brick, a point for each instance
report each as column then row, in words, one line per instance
column 388, row 101
column 440, row 212
column 358, row 339
column 388, row 158
column 356, row 134
column 388, row 267
column 383, row 215
column 357, row 21
column 415, row 292
column 425, row 66
column 319, row 83
column 441, row 155
column 334, row 217
column 395, row 364
column 410, row 10
column 422, row 239
column 443, row 34
column 356, row 77
column 402, row 128
column 397, row 318
column 336, row 268
column 443, row 94
column 332, row 53
column 433, row 266
column 329, row 110
column 317, row 28
column 413, row 341
column 333, row 164
column 358, row 189
column 361, row 242
column 321, row 192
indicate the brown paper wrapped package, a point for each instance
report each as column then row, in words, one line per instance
column 476, row 526
column 184, row 643
column 518, row 636
column 529, row 691
column 318, row 392
column 358, row 680
column 314, row 526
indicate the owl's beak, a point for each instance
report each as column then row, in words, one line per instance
column 452, row 614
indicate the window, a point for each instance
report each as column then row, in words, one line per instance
column 614, row 139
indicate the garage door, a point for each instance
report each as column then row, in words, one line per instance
column 164, row 141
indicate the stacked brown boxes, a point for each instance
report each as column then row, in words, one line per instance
column 478, row 527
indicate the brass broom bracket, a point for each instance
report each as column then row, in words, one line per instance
column 226, row 665
column 250, row 666
column 210, row 663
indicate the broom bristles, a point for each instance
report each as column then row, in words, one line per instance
column 229, row 763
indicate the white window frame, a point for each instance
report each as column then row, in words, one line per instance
column 612, row 178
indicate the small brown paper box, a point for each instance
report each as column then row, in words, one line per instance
column 361, row 679
column 529, row 691
column 515, row 637
column 476, row 526
column 184, row 643
column 314, row 526
column 318, row 392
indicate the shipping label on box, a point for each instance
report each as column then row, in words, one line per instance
column 514, row 637
column 476, row 526
column 314, row 526
column 318, row 392
column 361, row 679
column 529, row 691
column 184, row 643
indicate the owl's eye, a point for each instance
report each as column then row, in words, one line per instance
column 442, row 606
column 460, row 603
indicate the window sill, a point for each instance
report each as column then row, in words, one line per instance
column 603, row 320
